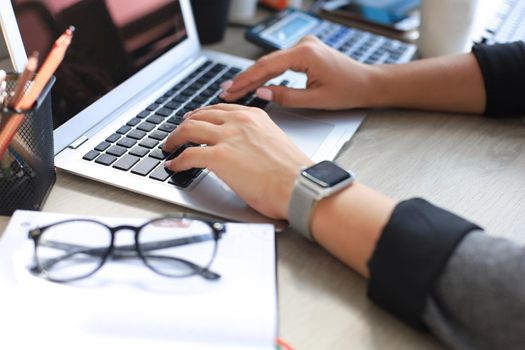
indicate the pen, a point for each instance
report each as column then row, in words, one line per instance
column 23, row 79
column 3, row 85
column 53, row 60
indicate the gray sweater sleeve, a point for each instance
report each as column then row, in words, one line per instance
column 479, row 299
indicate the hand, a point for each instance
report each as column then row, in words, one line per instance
column 246, row 149
column 335, row 81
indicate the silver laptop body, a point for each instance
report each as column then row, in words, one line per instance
column 320, row 134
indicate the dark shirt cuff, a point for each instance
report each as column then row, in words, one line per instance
column 503, row 70
column 411, row 253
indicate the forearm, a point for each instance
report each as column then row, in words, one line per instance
column 349, row 223
column 449, row 84
column 479, row 298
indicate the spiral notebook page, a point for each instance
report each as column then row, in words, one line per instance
column 130, row 307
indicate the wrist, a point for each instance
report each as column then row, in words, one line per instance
column 312, row 185
column 380, row 92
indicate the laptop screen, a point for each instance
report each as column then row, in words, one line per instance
column 113, row 40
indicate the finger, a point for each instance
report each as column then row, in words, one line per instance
column 192, row 157
column 211, row 115
column 195, row 131
column 227, row 107
column 288, row 97
column 266, row 68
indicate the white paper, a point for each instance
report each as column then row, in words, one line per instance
column 128, row 306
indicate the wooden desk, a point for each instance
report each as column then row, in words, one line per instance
column 471, row 165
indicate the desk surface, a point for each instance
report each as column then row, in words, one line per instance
column 471, row 165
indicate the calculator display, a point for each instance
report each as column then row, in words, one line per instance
column 289, row 30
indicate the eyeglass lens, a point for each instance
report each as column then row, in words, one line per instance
column 177, row 247
column 66, row 252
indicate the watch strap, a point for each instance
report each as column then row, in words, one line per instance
column 302, row 202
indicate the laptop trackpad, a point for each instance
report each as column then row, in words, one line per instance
column 306, row 133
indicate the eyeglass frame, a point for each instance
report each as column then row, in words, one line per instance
column 217, row 229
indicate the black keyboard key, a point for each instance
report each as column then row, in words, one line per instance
column 188, row 92
column 158, row 154
column 234, row 70
column 105, row 159
column 136, row 134
column 180, row 181
column 201, row 81
column 185, row 178
column 209, row 76
column 200, row 100
column 91, row 155
column 123, row 129
column 139, row 151
column 179, row 98
column 178, row 86
column 127, row 142
column 170, row 93
column 192, row 106
column 134, row 121
column 197, row 86
column 113, row 138
column 164, row 112
column 173, row 105
column 125, row 163
column 149, row 143
column 116, row 151
column 161, row 174
column 152, row 107
column 175, row 120
column 158, row 135
column 204, row 65
column 182, row 112
column 155, row 119
column 217, row 67
column 102, row 146
column 143, row 114
column 161, row 100
column 167, row 127
column 145, row 166
column 145, row 126
column 208, row 93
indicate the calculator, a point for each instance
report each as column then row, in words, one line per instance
column 286, row 28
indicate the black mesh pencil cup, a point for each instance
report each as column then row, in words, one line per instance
column 27, row 170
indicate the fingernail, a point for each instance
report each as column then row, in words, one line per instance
column 167, row 163
column 264, row 94
column 186, row 115
column 226, row 85
column 223, row 95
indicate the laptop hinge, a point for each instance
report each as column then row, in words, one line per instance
column 78, row 142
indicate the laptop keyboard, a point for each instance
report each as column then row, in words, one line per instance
column 136, row 147
column 364, row 46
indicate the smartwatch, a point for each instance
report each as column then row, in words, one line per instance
column 313, row 184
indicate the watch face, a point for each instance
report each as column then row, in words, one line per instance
column 326, row 174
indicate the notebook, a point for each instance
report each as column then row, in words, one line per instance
column 127, row 81
column 127, row 306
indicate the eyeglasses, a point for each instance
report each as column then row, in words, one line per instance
column 172, row 246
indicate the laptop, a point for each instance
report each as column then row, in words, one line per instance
column 132, row 71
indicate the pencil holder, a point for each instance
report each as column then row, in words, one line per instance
column 27, row 171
